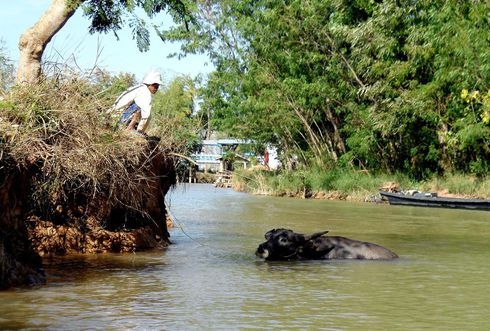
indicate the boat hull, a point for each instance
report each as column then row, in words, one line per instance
column 438, row 202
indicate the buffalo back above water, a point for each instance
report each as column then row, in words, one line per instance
column 285, row 244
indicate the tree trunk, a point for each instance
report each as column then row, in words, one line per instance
column 336, row 132
column 34, row 40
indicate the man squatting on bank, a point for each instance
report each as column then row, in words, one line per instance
column 135, row 103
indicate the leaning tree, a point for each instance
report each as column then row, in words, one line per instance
column 105, row 16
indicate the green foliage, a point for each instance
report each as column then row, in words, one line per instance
column 173, row 115
column 109, row 86
column 478, row 104
column 141, row 34
column 177, row 98
column 370, row 85
column 470, row 133
column 107, row 16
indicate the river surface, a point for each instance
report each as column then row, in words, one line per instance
column 210, row 279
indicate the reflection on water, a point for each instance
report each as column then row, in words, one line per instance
column 210, row 279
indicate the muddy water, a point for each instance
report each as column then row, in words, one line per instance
column 209, row 279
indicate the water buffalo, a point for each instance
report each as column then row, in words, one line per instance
column 284, row 244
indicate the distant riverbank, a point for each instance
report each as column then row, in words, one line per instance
column 352, row 185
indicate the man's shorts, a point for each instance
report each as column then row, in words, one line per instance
column 127, row 115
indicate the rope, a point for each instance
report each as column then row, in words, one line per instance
column 178, row 225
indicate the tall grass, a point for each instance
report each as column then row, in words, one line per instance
column 356, row 185
column 458, row 184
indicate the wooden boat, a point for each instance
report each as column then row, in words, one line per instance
column 421, row 199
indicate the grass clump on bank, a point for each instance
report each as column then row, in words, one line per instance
column 61, row 127
column 81, row 165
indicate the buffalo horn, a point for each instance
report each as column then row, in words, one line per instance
column 315, row 235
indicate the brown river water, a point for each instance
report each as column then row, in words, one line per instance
column 210, row 279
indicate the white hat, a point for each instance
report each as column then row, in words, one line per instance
column 152, row 78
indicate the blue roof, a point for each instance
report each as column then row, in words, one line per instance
column 226, row 142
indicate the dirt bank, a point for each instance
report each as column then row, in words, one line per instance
column 83, row 222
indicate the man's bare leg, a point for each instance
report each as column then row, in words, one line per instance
column 134, row 120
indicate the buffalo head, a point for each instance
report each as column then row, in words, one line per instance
column 284, row 244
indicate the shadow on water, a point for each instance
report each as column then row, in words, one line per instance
column 82, row 268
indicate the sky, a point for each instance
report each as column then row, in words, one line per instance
column 74, row 45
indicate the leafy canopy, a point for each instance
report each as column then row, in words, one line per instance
column 111, row 15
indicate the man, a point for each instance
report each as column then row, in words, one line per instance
column 136, row 103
